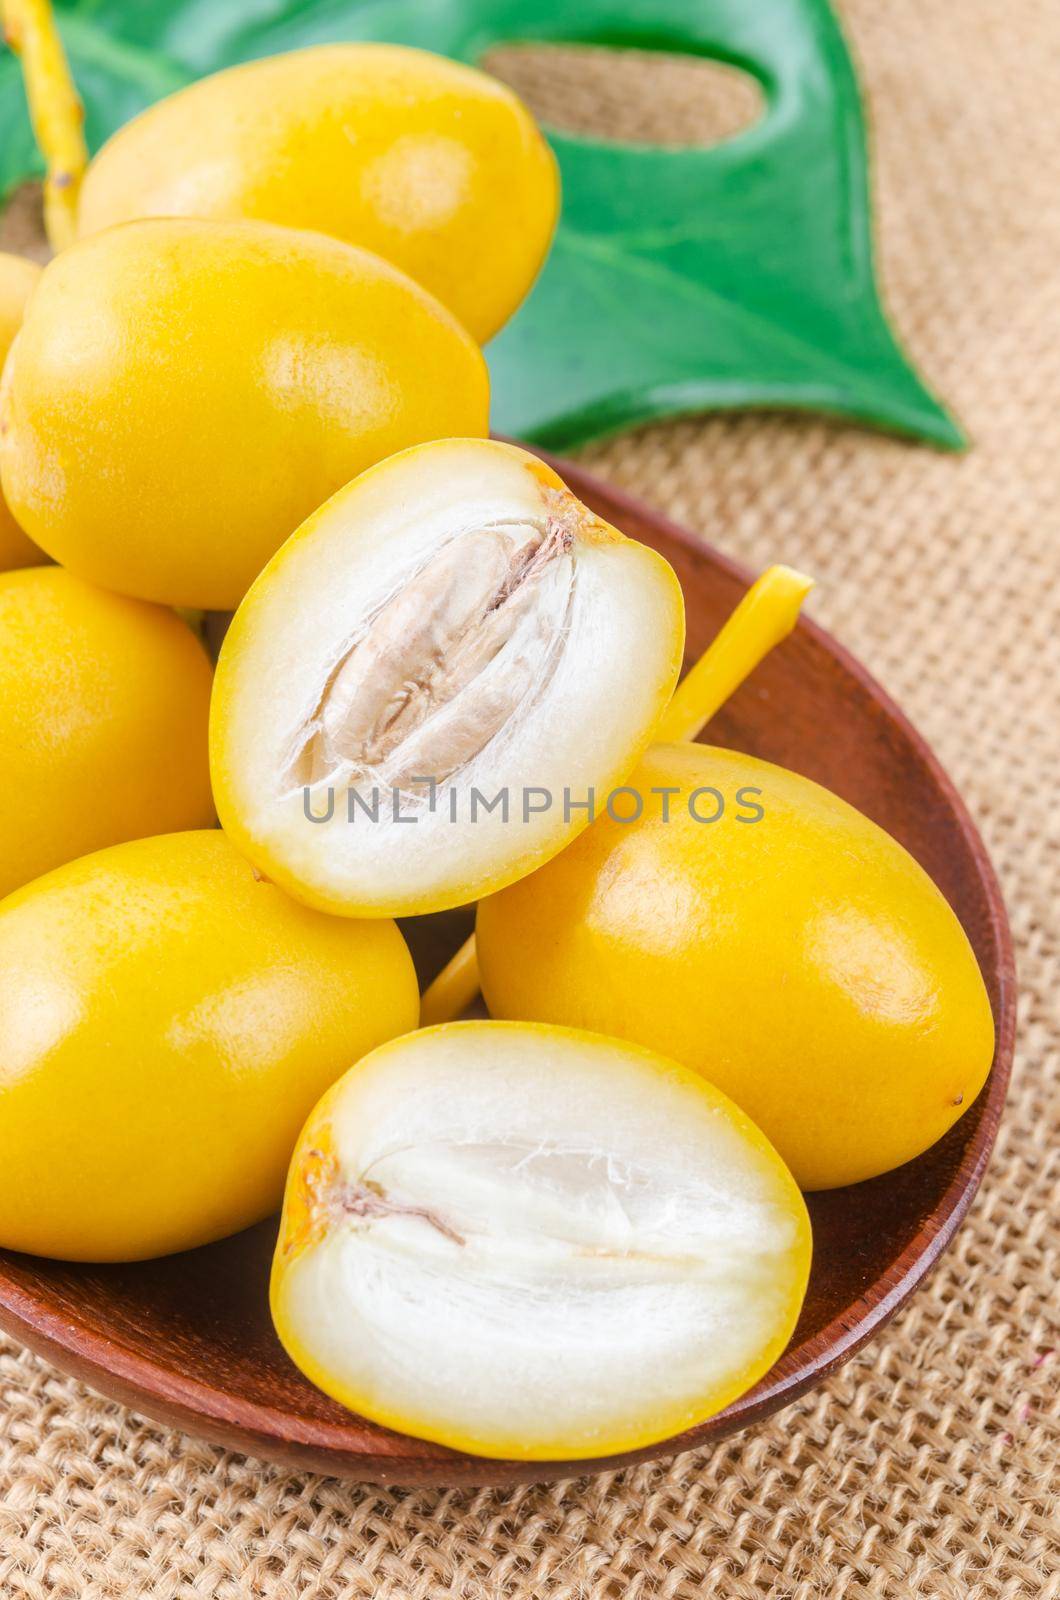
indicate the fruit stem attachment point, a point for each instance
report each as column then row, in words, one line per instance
column 55, row 111
column 453, row 989
column 766, row 615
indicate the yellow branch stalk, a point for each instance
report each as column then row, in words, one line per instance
column 55, row 111
column 766, row 615
column 453, row 990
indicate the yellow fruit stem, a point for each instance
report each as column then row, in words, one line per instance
column 453, row 990
column 55, row 110
column 766, row 615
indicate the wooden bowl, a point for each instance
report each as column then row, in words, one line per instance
column 188, row 1340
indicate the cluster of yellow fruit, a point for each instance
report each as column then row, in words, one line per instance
column 515, row 1236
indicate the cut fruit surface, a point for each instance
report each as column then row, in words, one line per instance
column 430, row 681
column 535, row 1242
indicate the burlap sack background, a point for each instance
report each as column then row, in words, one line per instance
column 927, row 1467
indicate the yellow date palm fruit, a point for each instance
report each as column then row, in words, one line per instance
column 433, row 165
column 790, row 950
column 18, row 279
column 419, row 690
column 167, row 1021
column 104, row 711
column 535, row 1242
column 182, row 394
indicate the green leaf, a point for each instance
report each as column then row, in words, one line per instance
column 681, row 280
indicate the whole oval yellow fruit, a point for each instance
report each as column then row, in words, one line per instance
column 800, row 959
column 431, row 164
column 18, row 278
column 104, row 709
column 167, row 1021
column 183, row 394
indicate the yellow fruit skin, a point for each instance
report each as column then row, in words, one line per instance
column 433, row 165
column 183, row 394
column 18, row 278
column 167, row 1020
column 104, row 710
column 804, row 963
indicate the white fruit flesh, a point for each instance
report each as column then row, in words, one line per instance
column 445, row 663
column 442, row 664
column 535, row 1242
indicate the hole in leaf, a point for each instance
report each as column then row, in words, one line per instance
column 631, row 96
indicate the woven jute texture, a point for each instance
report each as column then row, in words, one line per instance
column 927, row 1467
